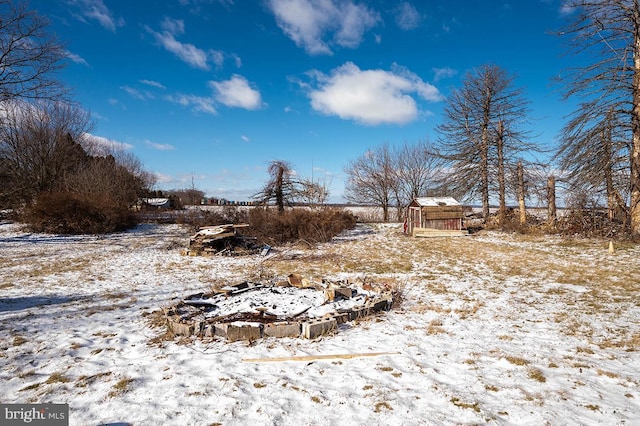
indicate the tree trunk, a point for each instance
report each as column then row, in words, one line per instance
column 551, row 201
column 634, row 210
column 484, row 173
column 520, row 190
column 279, row 190
column 607, row 149
column 502, row 212
column 385, row 213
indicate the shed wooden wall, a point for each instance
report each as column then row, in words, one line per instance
column 447, row 218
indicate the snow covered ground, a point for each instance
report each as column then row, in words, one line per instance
column 493, row 329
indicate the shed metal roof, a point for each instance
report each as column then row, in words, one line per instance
column 436, row 201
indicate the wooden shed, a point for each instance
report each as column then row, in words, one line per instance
column 434, row 216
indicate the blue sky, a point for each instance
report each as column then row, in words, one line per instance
column 210, row 91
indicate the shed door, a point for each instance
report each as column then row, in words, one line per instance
column 414, row 219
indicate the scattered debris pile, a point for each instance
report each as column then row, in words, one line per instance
column 292, row 307
column 222, row 240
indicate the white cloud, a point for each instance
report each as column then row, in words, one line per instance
column 162, row 178
column 197, row 103
column 407, row 17
column 159, row 146
column 138, row 94
column 98, row 145
column 371, row 97
column 153, row 84
column 237, row 92
column 98, row 116
column 77, row 59
column 308, row 22
column 188, row 53
column 245, row 138
column 237, row 60
column 95, row 10
column 198, row 2
column 440, row 73
column 567, row 8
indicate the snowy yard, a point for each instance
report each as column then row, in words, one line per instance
column 493, row 329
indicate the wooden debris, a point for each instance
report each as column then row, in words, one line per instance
column 319, row 357
column 222, row 240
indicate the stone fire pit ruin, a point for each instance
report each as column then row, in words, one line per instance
column 287, row 308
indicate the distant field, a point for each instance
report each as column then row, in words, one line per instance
column 365, row 214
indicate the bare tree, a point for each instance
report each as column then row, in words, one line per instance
column 608, row 86
column 42, row 149
column 30, row 56
column 482, row 132
column 521, row 193
column 38, row 145
column 417, row 169
column 552, row 215
column 372, row 179
column 281, row 187
column 594, row 156
column 312, row 192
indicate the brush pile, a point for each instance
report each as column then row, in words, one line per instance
column 222, row 240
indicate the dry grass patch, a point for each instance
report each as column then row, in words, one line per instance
column 387, row 369
column 122, row 386
column 537, row 374
column 26, row 374
column 435, row 327
column 438, row 288
column 380, row 405
column 584, row 350
column 84, row 381
column 78, row 264
column 30, row 387
column 470, row 406
column 466, row 312
column 609, row 374
column 115, row 296
column 57, row 378
column 516, row 360
column 628, row 343
column 19, row 341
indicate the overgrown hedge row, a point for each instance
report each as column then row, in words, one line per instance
column 313, row 226
column 70, row 213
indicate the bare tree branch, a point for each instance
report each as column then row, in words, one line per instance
column 30, row 56
column 601, row 143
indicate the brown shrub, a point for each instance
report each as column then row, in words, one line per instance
column 313, row 226
column 197, row 218
column 69, row 213
column 594, row 223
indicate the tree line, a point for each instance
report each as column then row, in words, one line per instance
column 484, row 149
column 53, row 173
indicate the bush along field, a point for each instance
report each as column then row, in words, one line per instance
column 497, row 328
